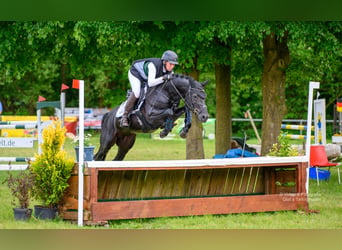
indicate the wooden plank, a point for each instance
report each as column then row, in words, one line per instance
column 124, row 180
column 302, row 177
column 169, row 179
column 70, row 198
column 108, row 184
column 200, row 163
column 196, row 206
column 178, row 181
column 284, row 178
column 218, row 182
column 93, row 185
column 196, row 182
column 258, row 181
column 135, row 185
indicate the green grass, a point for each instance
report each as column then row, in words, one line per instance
column 325, row 198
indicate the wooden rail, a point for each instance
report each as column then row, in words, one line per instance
column 146, row 189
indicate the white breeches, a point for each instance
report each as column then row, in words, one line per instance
column 135, row 84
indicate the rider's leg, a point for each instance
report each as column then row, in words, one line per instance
column 129, row 105
column 135, row 84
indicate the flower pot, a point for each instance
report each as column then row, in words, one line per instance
column 88, row 153
column 45, row 213
column 22, row 213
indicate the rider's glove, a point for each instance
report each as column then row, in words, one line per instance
column 167, row 77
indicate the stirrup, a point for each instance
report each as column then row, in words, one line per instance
column 124, row 122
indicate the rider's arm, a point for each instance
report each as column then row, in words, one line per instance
column 151, row 78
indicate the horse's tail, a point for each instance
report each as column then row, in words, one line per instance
column 108, row 118
column 104, row 118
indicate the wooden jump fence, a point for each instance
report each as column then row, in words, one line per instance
column 147, row 189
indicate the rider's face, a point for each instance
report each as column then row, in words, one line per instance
column 169, row 66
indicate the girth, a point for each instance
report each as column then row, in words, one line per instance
column 145, row 125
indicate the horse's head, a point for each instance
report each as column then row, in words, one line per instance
column 195, row 99
column 193, row 94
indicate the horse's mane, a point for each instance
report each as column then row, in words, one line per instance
column 189, row 78
column 184, row 76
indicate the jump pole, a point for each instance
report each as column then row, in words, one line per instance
column 80, row 85
column 312, row 86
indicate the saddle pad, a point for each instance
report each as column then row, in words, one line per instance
column 121, row 109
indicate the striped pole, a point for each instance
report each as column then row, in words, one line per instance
column 19, row 126
column 291, row 136
column 17, row 122
column 16, row 159
column 295, row 127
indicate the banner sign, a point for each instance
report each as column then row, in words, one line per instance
column 7, row 142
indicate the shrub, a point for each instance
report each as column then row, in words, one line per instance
column 282, row 147
column 20, row 186
column 52, row 169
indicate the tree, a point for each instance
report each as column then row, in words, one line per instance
column 321, row 36
column 277, row 59
column 222, row 39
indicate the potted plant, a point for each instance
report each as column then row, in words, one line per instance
column 52, row 170
column 20, row 185
column 88, row 148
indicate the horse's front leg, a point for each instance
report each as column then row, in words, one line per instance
column 187, row 123
column 170, row 121
column 169, row 124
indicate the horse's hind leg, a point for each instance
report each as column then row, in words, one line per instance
column 106, row 143
column 124, row 144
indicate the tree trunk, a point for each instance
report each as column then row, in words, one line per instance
column 63, row 73
column 223, row 126
column 194, row 140
column 276, row 61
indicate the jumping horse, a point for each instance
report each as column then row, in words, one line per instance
column 161, row 107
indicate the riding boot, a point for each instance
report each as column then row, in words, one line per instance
column 129, row 105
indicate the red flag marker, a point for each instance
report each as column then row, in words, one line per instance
column 75, row 84
column 41, row 99
column 64, row 87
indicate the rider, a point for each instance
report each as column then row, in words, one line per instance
column 152, row 71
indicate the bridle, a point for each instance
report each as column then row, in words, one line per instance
column 191, row 105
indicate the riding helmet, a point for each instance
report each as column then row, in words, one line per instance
column 170, row 56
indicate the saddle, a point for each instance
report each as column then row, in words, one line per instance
column 145, row 125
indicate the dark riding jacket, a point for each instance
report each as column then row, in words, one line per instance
column 139, row 68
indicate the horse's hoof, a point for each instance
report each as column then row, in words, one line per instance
column 183, row 134
column 163, row 134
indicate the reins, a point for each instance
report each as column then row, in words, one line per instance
column 180, row 95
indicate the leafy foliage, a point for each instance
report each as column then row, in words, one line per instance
column 52, row 169
column 282, row 147
column 20, row 185
column 36, row 57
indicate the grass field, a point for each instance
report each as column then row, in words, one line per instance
column 326, row 198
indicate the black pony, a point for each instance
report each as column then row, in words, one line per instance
column 159, row 109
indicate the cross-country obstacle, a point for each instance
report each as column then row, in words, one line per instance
column 146, row 189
